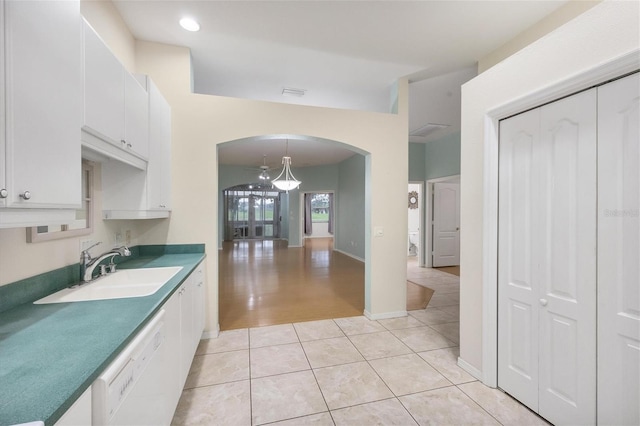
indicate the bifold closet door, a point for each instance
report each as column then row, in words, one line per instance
column 619, row 252
column 547, row 259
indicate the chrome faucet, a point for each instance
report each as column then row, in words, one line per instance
column 89, row 264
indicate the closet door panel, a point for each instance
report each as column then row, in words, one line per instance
column 517, row 288
column 567, row 280
column 619, row 252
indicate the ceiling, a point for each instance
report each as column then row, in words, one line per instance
column 303, row 150
column 343, row 54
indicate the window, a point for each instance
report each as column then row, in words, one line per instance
column 320, row 208
column 82, row 225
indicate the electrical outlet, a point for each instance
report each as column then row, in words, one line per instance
column 127, row 237
column 117, row 238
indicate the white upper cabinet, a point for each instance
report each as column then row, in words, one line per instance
column 103, row 89
column 42, row 109
column 136, row 117
column 132, row 193
column 159, row 168
column 116, row 109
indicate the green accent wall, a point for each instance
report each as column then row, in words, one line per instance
column 435, row 159
column 416, row 162
column 442, row 157
column 350, row 212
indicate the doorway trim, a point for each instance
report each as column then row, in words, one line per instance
column 427, row 253
column 333, row 207
column 597, row 75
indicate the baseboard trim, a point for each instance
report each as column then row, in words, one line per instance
column 211, row 334
column 470, row 369
column 349, row 254
column 386, row 315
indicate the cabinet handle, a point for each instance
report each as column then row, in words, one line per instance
column 4, row 193
column 543, row 302
column 123, row 142
column 25, row 195
column 163, row 206
column 129, row 145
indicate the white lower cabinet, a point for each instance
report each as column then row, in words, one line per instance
column 185, row 322
column 79, row 413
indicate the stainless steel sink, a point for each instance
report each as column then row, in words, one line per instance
column 121, row 284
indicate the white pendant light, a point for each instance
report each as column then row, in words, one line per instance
column 285, row 180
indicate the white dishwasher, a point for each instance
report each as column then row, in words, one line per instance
column 133, row 389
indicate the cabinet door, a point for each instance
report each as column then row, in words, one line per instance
column 186, row 328
column 136, row 116
column 199, row 300
column 172, row 339
column 159, row 166
column 3, row 185
column 103, row 89
column 43, row 103
column 79, row 413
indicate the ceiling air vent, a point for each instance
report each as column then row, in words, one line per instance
column 290, row 91
column 427, row 129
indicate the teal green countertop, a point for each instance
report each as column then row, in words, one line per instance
column 50, row 354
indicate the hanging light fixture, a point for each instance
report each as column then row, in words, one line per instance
column 263, row 174
column 285, row 180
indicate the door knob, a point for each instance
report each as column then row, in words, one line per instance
column 4, row 193
column 25, row 195
column 543, row 302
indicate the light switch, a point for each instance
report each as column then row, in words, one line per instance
column 378, row 231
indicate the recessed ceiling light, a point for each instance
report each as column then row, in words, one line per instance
column 189, row 24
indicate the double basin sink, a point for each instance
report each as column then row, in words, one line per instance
column 118, row 285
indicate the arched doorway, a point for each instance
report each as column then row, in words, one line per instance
column 262, row 256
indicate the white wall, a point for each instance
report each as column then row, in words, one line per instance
column 200, row 122
column 605, row 32
column 105, row 19
column 559, row 17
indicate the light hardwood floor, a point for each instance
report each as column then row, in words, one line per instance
column 266, row 283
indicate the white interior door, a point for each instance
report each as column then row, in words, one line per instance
column 547, row 254
column 517, row 272
column 446, row 224
column 618, row 252
column 567, row 361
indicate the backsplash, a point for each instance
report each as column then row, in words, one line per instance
column 33, row 288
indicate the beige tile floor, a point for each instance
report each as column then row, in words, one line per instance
column 347, row 371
